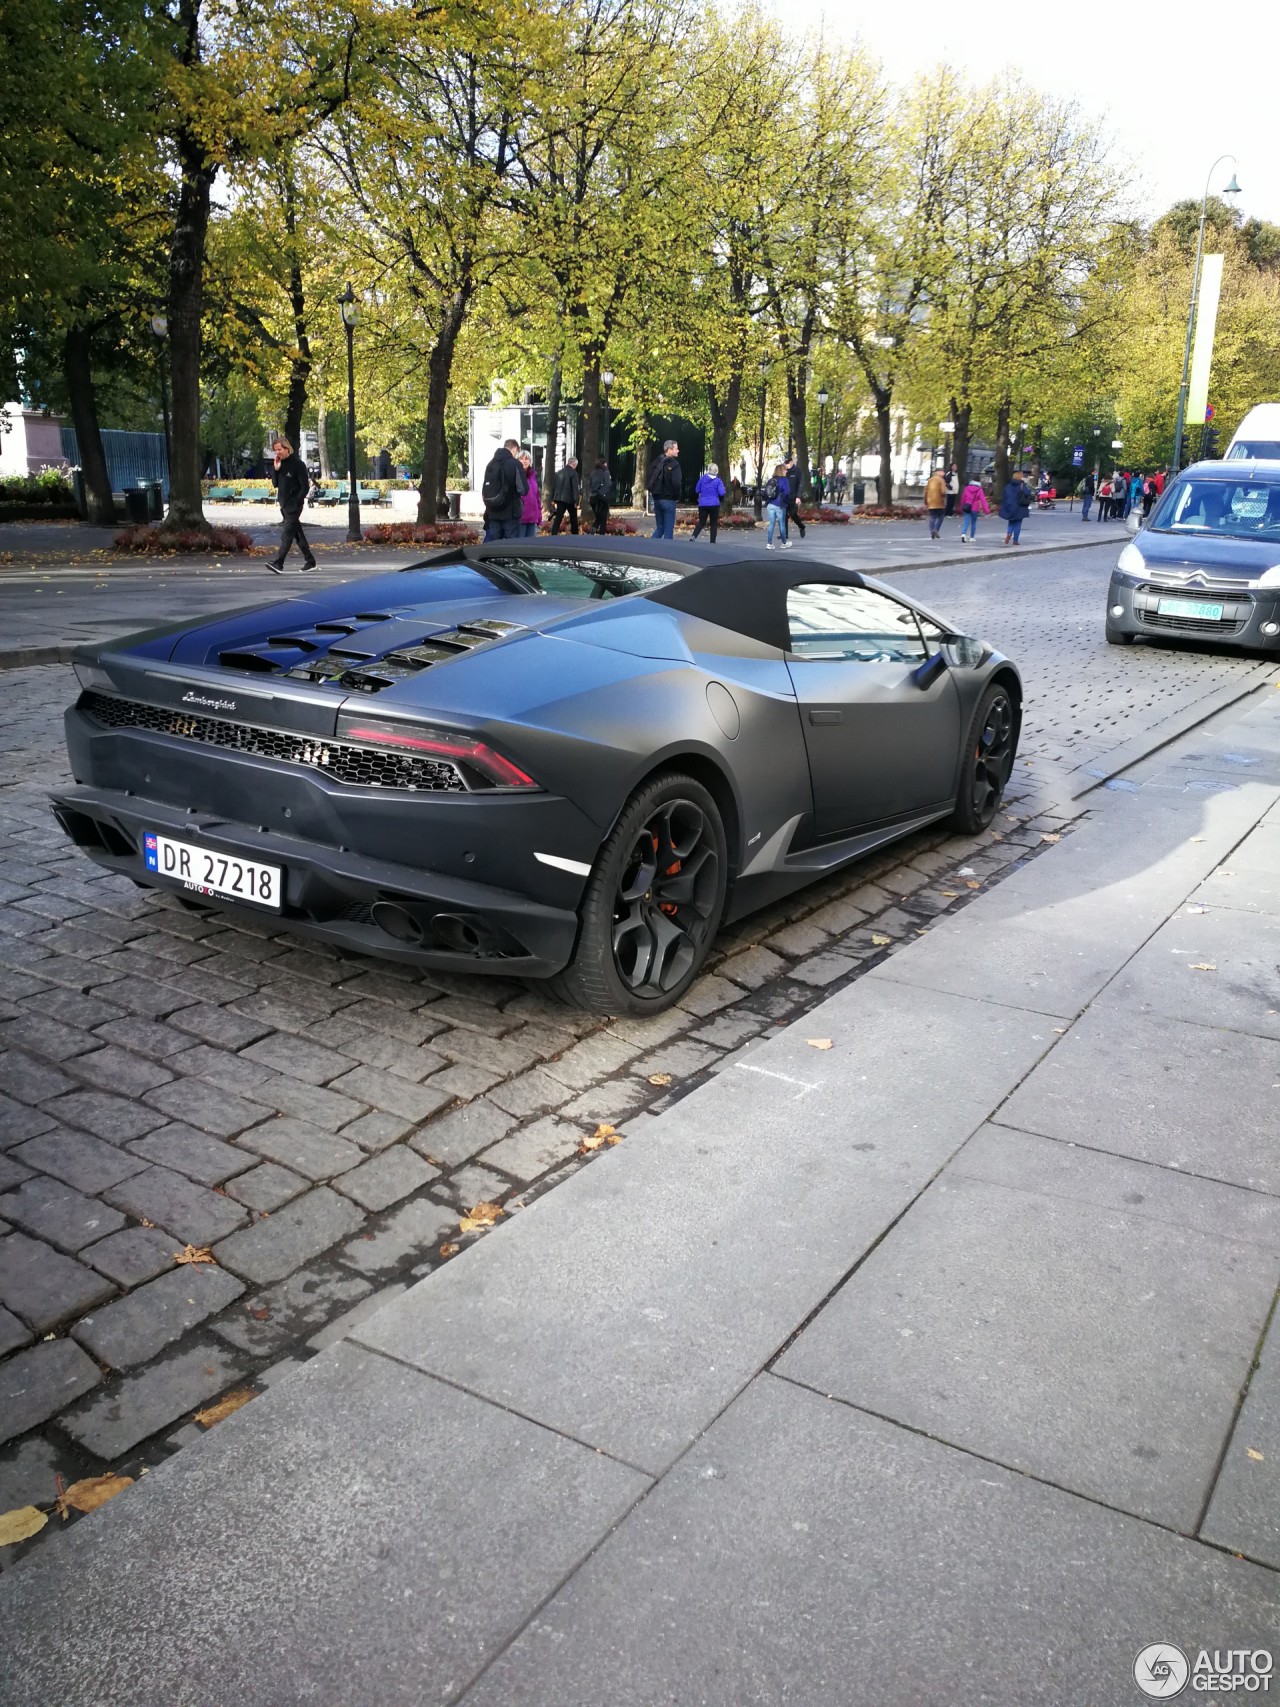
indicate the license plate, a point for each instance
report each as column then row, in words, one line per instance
column 206, row 873
column 1190, row 607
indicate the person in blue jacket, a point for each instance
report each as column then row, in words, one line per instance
column 1014, row 504
column 710, row 497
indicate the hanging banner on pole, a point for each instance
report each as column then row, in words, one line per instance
column 1206, row 320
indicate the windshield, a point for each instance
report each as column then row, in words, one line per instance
column 1254, row 450
column 1249, row 509
column 585, row 578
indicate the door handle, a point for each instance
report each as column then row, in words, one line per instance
column 826, row 717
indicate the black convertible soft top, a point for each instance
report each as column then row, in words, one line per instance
column 742, row 588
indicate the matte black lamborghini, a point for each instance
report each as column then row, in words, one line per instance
column 560, row 759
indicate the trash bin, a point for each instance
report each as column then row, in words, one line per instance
column 135, row 505
column 859, row 493
column 155, row 501
column 455, row 506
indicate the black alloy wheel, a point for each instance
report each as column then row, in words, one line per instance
column 653, row 902
column 988, row 759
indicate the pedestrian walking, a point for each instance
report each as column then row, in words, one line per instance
column 531, row 507
column 1104, row 500
column 777, row 497
column 502, row 492
column 1087, row 489
column 953, row 489
column 664, row 485
column 1014, row 504
column 710, row 496
column 792, row 513
column 973, row 503
column 935, row 501
column 1127, row 492
column 292, row 482
column 566, row 490
column 600, row 492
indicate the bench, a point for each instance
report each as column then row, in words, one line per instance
column 223, row 494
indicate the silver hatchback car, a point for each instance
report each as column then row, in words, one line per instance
column 1207, row 563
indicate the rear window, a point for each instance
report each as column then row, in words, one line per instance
column 583, row 578
column 1247, row 509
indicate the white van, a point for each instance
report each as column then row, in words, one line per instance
column 1257, row 436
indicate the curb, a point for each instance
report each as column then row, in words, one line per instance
column 26, row 657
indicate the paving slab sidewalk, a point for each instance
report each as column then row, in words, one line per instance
column 925, row 1355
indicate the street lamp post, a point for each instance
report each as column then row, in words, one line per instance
column 606, row 379
column 1232, row 189
column 947, row 427
column 160, row 331
column 764, row 369
column 350, row 314
column 823, row 396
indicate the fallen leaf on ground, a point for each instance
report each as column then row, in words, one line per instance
column 1050, row 836
column 973, row 884
column 951, row 894
column 1256, row 1456
column 224, row 1407
column 880, row 940
column 818, row 1042
column 1203, row 966
column 448, row 1250
column 261, row 1315
column 659, row 1078
column 193, row 1253
column 21, row 1522
column 483, row 1215
column 90, row 1493
column 603, row 1134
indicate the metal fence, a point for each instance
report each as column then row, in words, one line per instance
column 131, row 457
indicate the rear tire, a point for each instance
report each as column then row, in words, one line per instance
column 652, row 904
column 989, row 752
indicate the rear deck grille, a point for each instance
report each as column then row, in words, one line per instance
column 362, row 767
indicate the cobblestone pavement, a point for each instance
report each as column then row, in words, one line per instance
column 321, row 1123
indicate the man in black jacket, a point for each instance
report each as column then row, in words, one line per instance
column 664, row 485
column 566, row 489
column 292, row 483
column 502, row 491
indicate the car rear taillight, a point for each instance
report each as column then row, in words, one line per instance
column 475, row 759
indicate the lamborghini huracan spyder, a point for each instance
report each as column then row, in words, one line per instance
column 565, row 760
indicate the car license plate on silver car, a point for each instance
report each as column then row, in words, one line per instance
column 207, row 873
column 1190, row 607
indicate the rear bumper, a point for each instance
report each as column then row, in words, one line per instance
column 1245, row 613
column 384, row 908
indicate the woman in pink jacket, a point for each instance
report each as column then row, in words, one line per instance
column 531, row 508
column 973, row 503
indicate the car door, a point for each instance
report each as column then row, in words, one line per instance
column 880, row 745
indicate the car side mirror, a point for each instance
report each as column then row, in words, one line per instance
column 924, row 675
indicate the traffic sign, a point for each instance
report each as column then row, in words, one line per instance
column 1208, row 411
column 1077, row 457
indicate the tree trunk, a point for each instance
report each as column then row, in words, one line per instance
column 196, row 172
column 1001, row 479
column 591, row 447
column 882, row 398
column 724, row 417
column 796, row 404
column 300, row 361
column 322, row 436
column 962, row 415
column 84, row 417
column 432, row 499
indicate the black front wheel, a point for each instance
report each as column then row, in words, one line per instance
column 653, row 902
column 988, row 759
